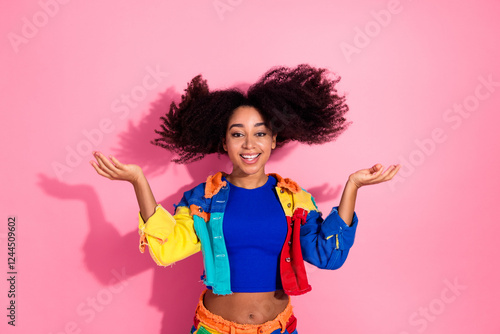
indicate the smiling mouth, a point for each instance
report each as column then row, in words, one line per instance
column 250, row 157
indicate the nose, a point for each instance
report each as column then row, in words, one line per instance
column 249, row 142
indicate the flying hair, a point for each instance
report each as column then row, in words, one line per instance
column 298, row 104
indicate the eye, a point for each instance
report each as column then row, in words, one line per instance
column 261, row 134
column 236, row 134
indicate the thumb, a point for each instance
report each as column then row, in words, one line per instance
column 375, row 168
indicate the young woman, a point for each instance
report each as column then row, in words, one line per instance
column 255, row 229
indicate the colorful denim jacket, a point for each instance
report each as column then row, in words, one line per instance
column 197, row 225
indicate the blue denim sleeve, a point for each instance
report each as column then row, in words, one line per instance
column 194, row 196
column 326, row 243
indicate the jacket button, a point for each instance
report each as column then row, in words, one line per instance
column 282, row 191
column 289, row 242
column 287, row 259
column 289, row 204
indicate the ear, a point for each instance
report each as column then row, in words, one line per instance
column 273, row 145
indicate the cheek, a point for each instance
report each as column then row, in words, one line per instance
column 231, row 147
column 266, row 144
column 228, row 144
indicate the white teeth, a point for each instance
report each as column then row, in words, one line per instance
column 250, row 156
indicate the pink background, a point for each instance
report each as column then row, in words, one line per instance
column 75, row 77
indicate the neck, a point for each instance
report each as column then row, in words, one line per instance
column 247, row 181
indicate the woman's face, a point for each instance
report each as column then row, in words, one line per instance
column 248, row 141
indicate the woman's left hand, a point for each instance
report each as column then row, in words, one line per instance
column 373, row 175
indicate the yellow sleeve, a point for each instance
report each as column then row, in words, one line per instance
column 170, row 238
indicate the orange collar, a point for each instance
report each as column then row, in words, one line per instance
column 214, row 183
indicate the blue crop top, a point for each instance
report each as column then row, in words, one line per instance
column 255, row 229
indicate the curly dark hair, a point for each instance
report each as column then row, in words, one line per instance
column 298, row 104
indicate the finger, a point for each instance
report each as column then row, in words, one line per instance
column 105, row 164
column 389, row 169
column 375, row 168
column 394, row 171
column 100, row 161
column 381, row 177
column 379, row 170
column 99, row 170
column 115, row 162
column 390, row 172
column 106, row 161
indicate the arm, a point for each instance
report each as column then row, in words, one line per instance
column 145, row 197
column 358, row 179
column 156, row 225
column 326, row 242
column 169, row 238
column 347, row 202
column 115, row 170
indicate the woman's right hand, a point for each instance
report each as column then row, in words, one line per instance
column 115, row 170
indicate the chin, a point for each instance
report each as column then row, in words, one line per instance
column 250, row 170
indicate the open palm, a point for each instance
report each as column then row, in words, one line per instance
column 373, row 175
column 114, row 169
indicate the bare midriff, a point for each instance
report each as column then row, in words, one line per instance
column 247, row 308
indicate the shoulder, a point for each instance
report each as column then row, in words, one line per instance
column 301, row 198
column 304, row 200
column 286, row 183
column 204, row 190
column 213, row 184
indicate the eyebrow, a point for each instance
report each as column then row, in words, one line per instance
column 239, row 125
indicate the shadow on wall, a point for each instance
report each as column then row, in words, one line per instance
column 175, row 290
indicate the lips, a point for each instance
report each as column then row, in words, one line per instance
column 250, row 158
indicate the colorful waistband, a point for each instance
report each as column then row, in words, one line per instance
column 215, row 324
